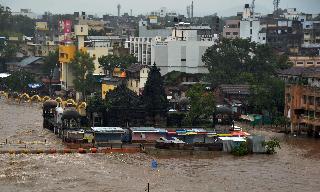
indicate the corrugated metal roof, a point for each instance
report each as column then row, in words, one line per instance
column 107, row 129
column 136, row 67
column 235, row 89
column 144, row 129
column 302, row 71
column 28, row 61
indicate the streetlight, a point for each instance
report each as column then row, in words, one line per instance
column 50, row 79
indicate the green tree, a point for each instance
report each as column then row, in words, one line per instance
column 18, row 81
column 51, row 61
column 232, row 60
column 268, row 96
column 127, row 60
column 82, row 67
column 7, row 52
column 236, row 61
column 154, row 96
column 109, row 62
column 11, row 24
column 202, row 103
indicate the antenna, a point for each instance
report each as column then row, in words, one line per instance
column 253, row 6
column 276, row 4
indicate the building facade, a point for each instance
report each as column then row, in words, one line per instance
column 231, row 29
column 302, row 99
column 182, row 51
column 304, row 61
column 137, row 76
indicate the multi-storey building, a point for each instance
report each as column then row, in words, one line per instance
column 140, row 47
column 231, row 29
column 302, row 99
column 250, row 27
column 305, row 61
column 311, row 36
column 182, row 51
column 137, row 76
column 284, row 35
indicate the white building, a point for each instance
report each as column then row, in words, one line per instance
column 147, row 31
column 250, row 27
column 140, row 47
column 182, row 51
column 27, row 13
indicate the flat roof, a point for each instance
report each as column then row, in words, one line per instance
column 239, row 139
column 107, row 129
column 144, row 130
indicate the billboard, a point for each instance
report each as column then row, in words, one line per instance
column 65, row 26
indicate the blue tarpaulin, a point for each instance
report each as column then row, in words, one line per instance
column 35, row 85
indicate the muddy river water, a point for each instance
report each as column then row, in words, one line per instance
column 296, row 166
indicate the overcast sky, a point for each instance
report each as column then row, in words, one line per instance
column 201, row 7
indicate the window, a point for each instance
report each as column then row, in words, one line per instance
column 310, row 63
column 318, row 63
column 235, row 33
column 250, row 31
column 318, row 101
column 299, row 63
column 183, row 59
column 227, row 33
column 137, row 84
column 264, row 38
column 250, row 23
column 311, row 100
column 81, row 29
column 288, row 97
column 304, row 99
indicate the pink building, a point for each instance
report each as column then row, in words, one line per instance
column 231, row 29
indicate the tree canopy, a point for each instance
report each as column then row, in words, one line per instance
column 154, row 96
column 239, row 61
column 82, row 66
column 10, row 24
column 202, row 103
column 109, row 62
column 18, row 81
column 51, row 61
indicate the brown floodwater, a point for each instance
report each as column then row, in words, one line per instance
column 295, row 167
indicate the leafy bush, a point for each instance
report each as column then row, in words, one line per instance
column 271, row 145
column 241, row 149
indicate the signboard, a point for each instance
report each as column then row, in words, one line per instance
column 67, row 26
column 153, row 19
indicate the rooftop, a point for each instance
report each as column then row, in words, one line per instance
column 28, row 61
column 302, row 71
column 136, row 67
column 107, row 129
column 235, row 89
